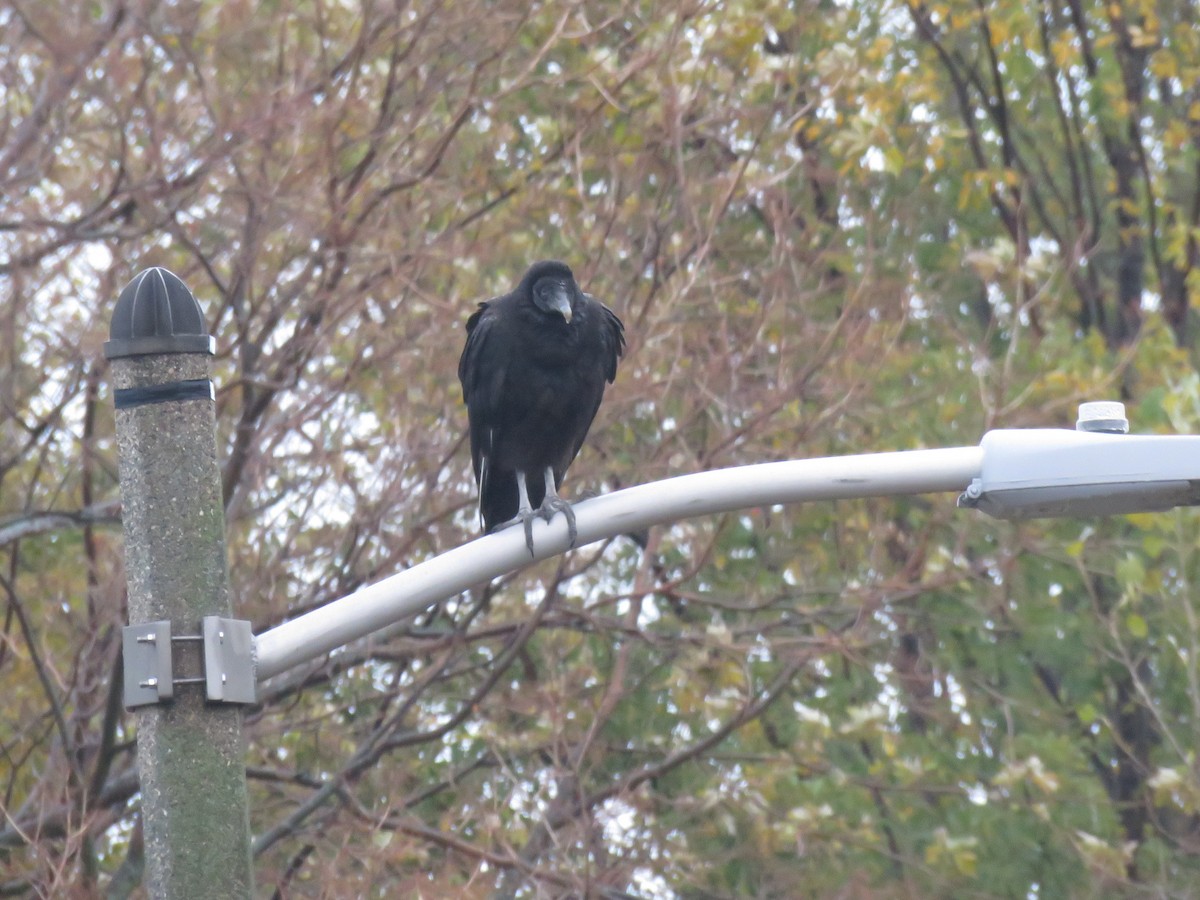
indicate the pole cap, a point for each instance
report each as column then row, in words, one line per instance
column 1102, row 416
column 156, row 313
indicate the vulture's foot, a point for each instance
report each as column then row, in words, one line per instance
column 525, row 518
column 551, row 505
column 546, row 511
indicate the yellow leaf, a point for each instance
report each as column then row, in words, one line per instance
column 1064, row 52
column 1142, row 521
column 1141, row 38
column 889, row 744
column 1046, row 780
column 964, row 861
column 1136, row 625
column 1164, row 64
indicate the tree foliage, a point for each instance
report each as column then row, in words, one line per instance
column 829, row 227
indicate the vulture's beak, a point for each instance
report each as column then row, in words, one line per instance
column 562, row 302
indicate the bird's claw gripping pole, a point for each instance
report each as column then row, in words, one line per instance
column 545, row 512
column 550, row 507
column 551, row 503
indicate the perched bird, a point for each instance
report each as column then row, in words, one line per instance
column 533, row 372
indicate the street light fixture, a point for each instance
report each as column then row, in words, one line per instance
column 1096, row 470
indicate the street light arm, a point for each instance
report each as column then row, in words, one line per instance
column 1012, row 474
column 621, row 512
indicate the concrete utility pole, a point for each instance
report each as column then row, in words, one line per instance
column 191, row 756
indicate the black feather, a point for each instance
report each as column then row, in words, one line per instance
column 532, row 381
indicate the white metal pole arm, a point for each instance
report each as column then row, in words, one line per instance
column 621, row 512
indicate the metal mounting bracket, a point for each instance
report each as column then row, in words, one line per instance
column 149, row 661
column 228, row 660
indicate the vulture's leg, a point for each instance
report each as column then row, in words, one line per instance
column 525, row 513
column 554, row 503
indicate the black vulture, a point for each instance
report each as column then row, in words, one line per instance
column 533, row 372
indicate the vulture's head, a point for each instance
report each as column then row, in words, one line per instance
column 552, row 288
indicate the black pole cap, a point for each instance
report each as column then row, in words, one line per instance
column 156, row 313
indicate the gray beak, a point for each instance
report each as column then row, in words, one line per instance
column 562, row 302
